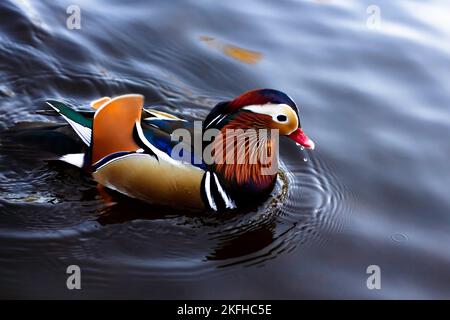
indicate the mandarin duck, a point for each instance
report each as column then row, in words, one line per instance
column 130, row 149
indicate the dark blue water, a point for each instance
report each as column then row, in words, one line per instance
column 374, row 97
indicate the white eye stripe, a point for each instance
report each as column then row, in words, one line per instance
column 273, row 110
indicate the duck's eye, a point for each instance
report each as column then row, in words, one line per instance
column 282, row 118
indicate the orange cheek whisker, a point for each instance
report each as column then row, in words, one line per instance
column 243, row 164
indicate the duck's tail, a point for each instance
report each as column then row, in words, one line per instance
column 39, row 141
column 79, row 123
column 114, row 121
column 51, row 141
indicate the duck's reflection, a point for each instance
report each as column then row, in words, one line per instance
column 226, row 243
column 232, row 51
column 243, row 243
column 120, row 209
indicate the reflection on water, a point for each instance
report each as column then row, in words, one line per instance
column 240, row 54
column 374, row 191
column 250, row 238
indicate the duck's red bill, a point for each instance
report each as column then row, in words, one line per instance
column 302, row 139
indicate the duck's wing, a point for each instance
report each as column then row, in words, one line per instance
column 177, row 146
column 166, row 122
column 79, row 122
column 132, row 150
column 117, row 123
column 165, row 126
column 136, row 158
column 147, row 114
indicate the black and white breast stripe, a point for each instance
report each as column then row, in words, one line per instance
column 214, row 195
column 216, row 120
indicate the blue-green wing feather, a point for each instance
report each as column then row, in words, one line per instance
column 158, row 133
column 81, row 124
